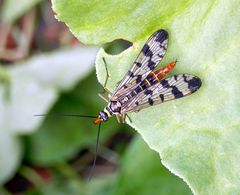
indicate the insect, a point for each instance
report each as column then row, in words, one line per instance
column 142, row 86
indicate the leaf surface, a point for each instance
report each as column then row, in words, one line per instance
column 197, row 137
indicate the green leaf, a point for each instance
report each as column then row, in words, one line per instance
column 142, row 173
column 95, row 22
column 198, row 136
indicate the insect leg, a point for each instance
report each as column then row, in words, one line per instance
column 103, row 97
column 118, row 118
column 107, row 75
column 121, row 118
column 106, row 80
column 130, row 120
column 101, row 94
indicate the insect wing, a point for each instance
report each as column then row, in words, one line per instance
column 168, row 89
column 150, row 55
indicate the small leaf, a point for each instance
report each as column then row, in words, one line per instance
column 10, row 145
column 11, row 12
column 42, row 77
column 10, row 155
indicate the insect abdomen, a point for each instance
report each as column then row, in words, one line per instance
column 161, row 73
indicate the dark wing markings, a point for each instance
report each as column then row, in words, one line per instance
column 168, row 89
column 150, row 55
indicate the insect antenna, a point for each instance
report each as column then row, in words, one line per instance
column 84, row 116
column 67, row 115
column 107, row 74
column 96, row 151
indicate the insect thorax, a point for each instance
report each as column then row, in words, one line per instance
column 113, row 107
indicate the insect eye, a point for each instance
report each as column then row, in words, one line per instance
column 103, row 116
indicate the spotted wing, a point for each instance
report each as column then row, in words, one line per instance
column 150, row 55
column 168, row 89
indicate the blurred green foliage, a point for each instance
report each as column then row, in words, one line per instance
column 10, row 12
column 64, row 136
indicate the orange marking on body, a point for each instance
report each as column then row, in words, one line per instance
column 153, row 74
column 97, row 121
column 161, row 73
